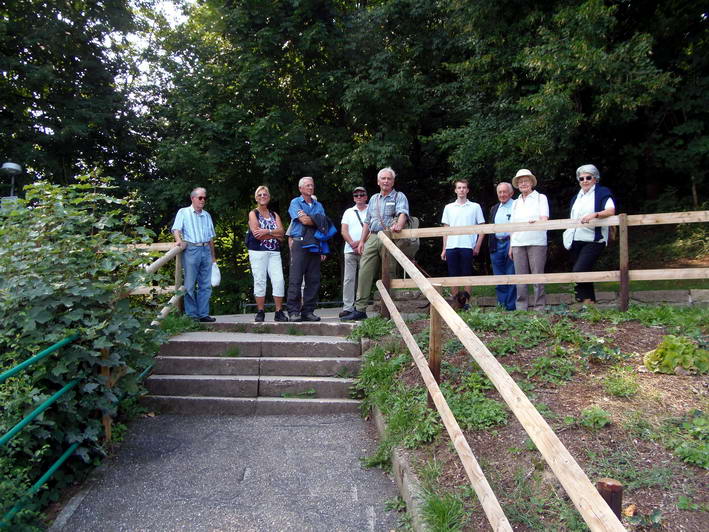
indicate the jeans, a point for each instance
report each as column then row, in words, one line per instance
column 530, row 259
column 349, row 282
column 502, row 264
column 197, row 265
column 585, row 255
column 263, row 264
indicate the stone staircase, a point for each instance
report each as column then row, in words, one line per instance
column 256, row 369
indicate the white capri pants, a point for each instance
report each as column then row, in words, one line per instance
column 263, row 263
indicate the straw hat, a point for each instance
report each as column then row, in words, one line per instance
column 524, row 173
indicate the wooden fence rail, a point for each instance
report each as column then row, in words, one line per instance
column 594, row 510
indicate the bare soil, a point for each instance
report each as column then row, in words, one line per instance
column 517, row 471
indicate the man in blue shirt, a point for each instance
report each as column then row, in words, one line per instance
column 194, row 233
column 499, row 244
column 304, row 264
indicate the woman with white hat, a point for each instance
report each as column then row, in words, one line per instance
column 528, row 249
column 586, row 244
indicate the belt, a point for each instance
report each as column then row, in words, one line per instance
column 502, row 238
column 297, row 237
column 198, row 244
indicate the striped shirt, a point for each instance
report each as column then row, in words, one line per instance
column 195, row 227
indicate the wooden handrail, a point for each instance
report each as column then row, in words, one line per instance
column 556, row 278
column 488, row 500
column 633, row 219
column 594, row 510
column 167, row 257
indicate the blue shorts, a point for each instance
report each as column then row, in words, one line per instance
column 460, row 262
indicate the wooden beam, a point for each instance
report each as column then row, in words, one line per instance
column 150, row 290
column 434, row 345
column 488, row 500
column 550, row 225
column 167, row 257
column 586, row 499
column 171, row 305
column 669, row 274
column 155, row 246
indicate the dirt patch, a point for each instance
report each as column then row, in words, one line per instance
column 627, row 449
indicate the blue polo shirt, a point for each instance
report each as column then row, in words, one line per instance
column 298, row 204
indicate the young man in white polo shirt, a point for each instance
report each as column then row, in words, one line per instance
column 459, row 250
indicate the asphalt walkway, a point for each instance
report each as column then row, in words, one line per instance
column 262, row 473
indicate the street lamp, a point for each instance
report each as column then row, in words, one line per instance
column 11, row 169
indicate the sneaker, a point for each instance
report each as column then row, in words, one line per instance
column 207, row 319
column 345, row 312
column 294, row 317
column 280, row 316
column 355, row 315
column 260, row 316
column 309, row 317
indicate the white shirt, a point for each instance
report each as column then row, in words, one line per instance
column 586, row 204
column 533, row 207
column 456, row 214
column 353, row 226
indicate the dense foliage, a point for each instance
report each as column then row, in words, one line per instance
column 64, row 269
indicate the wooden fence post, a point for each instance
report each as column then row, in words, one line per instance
column 434, row 346
column 624, row 294
column 612, row 492
column 106, row 420
column 178, row 280
column 386, row 279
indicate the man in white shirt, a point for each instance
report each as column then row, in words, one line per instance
column 352, row 222
column 459, row 250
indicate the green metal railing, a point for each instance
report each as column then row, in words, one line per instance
column 31, row 416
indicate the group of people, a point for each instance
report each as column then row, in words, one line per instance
column 521, row 252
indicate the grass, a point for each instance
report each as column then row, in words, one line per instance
column 623, row 465
column 372, row 328
column 621, row 381
column 305, row 394
column 232, row 352
column 174, row 324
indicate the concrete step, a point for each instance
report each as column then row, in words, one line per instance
column 204, row 385
column 247, row 406
column 299, row 366
column 321, row 328
column 305, row 387
column 248, row 386
column 236, row 345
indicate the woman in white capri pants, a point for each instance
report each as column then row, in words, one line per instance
column 264, row 244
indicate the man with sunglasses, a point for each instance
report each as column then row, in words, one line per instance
column 194, row 233
column 352, row 222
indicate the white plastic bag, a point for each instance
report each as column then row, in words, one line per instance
column 569, row 238
column 216, row 275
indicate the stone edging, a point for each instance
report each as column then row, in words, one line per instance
column 406, row 480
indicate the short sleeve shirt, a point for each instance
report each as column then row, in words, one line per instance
column 528, row 209
column 503, row 216
column 195, row 227
column 383, row 210
column 586, row 204
column 353, row 224
column 456, row 215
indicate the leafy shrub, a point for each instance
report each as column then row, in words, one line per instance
column 554, row 370
column 677, row 351
column 596, row 349
column 594, row 418
column 64, row 268
column 473, row 410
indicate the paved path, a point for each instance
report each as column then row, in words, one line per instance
column 265, row 473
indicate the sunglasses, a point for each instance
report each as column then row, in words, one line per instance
column 262, row 195
column 585, row 178
column 202, row 198
column 359, row 195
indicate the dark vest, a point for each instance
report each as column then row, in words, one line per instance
column 601, row 196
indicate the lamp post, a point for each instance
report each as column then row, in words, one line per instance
column 11, row 169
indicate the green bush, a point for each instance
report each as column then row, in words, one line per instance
column 64, row 267
column 677, row 352
column 594, row 418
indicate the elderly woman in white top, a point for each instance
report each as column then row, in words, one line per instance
column 587, row 243
column 528, row 249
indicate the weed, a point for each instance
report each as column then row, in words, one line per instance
column 621, row 382
column 240, row 328
column 477, row 382
column 261, row 329
column 473, row 410
column 232, row 352
column 294, row 331
column 396, row 504
column 452, row 346
column 443, row 513
column 423, row 339
column 598, row 350
column 622, row 465
column 653, row 520
column 503, row 345
column 178, row 323
column 551, row 370
column 429, row 474
column 638, row 426
column 688, row 437
column 372, row 328
column 686, row 503
column 594, row 418
column 305, row 394
column 345, row 373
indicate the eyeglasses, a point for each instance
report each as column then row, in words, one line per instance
column 359, row 195
column 585, row 178
column 202, row 198
column 262, row 195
